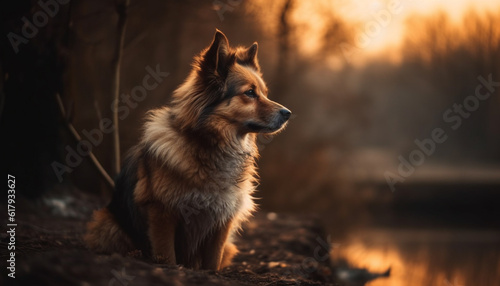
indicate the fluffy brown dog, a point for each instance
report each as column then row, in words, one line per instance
column 187, row 186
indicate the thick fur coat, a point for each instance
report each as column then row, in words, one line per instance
column 187, row 186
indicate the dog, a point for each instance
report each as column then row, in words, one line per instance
column 186, row 187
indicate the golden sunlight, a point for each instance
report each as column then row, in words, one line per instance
column 378, row 25
column 383, row 21
column 412, row 254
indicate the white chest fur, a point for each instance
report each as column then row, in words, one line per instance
column 221, row 203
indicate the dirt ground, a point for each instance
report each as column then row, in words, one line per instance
column 275, row 249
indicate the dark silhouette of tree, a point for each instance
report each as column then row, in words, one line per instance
column 31, row 74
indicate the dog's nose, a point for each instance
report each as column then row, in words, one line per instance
column 285, row 113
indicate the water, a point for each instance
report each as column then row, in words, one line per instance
column 429, row 234
column 417, row 257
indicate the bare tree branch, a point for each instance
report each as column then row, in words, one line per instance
column 122, row 25
column 78, row 138
column 97, row 110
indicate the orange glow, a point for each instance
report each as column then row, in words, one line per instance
column 377, row 250
column 367, row 11
column 380, row 24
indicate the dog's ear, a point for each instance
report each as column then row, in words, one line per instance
column 252, row 52
column 248, row 56
column 217, row 57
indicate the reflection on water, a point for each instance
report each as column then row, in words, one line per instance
column 446, row 257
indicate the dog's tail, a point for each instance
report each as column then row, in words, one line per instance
column 104, row 235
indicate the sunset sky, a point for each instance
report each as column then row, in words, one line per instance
column 387, row 22
column 366, row 11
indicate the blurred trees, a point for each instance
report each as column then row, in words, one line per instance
column 450, row 57
column 299, row 40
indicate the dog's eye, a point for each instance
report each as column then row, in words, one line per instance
column 250, row 93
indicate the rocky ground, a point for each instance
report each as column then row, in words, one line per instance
column 276, row 249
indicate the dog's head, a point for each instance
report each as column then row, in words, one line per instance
column 226, row 91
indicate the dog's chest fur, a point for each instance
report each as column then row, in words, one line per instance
column 203, row 210
column 222, row 201
column 213, row 187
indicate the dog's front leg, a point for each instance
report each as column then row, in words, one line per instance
column 161, row 234
column 212, row 254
